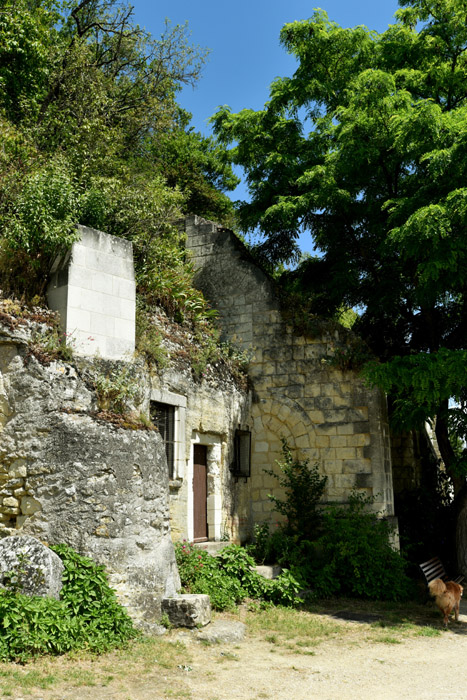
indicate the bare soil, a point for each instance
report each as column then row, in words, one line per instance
column 359, row 656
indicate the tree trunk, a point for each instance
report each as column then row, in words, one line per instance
column 461, row 531
column 460, row 491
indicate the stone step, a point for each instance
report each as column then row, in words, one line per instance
column 211, row 547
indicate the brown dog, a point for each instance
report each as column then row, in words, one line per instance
column 447, row 597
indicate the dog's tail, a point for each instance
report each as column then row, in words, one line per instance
column 437, row 587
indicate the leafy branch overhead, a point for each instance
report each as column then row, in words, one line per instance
column 363, row 147
column 92, row 133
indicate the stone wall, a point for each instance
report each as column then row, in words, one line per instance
column 67, row 477
column 327, row 416
column 208, row 413
column 93, row 289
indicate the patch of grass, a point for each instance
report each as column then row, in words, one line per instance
column 286, row 624
column 388, row 640
column 145, row 657
column 350, row 620
column 428, row 632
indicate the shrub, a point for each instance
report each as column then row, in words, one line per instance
column 230, row 577
column 355, row 557
column 304, row 488
column 87, row 595
column 200, row 573
column 87, row 615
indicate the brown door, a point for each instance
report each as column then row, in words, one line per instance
column 200, row 493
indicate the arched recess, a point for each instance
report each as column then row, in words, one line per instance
column 273, row 421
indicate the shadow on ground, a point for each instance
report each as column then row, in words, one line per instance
column 391, row 614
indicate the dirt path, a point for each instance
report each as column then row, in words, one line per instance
column 352, row 665
column 418, row 669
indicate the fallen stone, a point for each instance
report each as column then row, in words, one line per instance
column 188, row 610
column 223, row 632
column 29, row 567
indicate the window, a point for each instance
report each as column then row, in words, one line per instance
column 163, row 417
column 242, row 448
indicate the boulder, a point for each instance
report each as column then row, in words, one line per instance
column 29, row 567
column 188, row 610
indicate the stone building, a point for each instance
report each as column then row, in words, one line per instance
column 122, row 496
column 328, row 416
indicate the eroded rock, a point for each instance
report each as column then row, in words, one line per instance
column 188, row 610
column 29, row 567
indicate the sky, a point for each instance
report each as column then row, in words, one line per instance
column 245, row 54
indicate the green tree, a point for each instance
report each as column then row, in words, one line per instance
column 92, row 133
column 364, row 147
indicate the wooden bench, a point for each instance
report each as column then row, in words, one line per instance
column 433, row 568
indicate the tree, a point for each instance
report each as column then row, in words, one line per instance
column 92, row 133
column 364, row 147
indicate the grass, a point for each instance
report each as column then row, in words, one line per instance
column 162, row 663
column 146, row 659
column 301, row 631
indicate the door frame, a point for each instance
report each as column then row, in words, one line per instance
column 214, row 457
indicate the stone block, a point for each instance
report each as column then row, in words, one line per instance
column 339, row 441
column 11, row 502
column 345, row 429
column 333, row 466
column 223, row 632
column 269, row 572
column 322, row 441
column 37, row 570
column 360, row 440
column 188, row 610
column 346, row 453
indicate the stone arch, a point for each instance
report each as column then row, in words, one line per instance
column 273, row 420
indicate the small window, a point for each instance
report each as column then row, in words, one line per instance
column 242, row 445
column 163, row 417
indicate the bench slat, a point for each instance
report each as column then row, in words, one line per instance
column 433, row 568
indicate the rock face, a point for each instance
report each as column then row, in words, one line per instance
column 27, row 566
column 67, row 477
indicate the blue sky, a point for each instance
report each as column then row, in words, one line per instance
column 243, row 38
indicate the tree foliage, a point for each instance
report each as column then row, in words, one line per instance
column 364, row 147
column 92, row 133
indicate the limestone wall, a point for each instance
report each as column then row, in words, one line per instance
column 93, row 288
column 209, row 415
column 328, row 416
column 67, row 477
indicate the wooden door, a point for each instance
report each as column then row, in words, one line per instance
column 200, row 493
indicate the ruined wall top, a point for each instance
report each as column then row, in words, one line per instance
column 228, row 276
column 93, row 289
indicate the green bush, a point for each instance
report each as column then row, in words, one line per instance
column 230, row 577
column 340, row 549
column 87, row 616
column 303, row 488
column 354, row 556
column 87, row 595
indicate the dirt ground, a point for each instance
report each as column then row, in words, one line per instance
column 354, row 663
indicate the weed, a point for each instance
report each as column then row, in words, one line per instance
column 87, row 616
column 149, row 338
column 51, row 344
column 303, row 488
column 117, row 389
